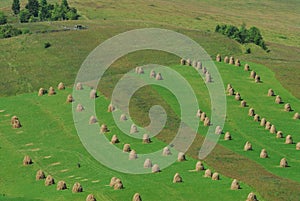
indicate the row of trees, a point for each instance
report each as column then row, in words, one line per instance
column 40, row 10
column 242, row 34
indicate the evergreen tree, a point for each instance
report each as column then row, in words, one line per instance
column 3, row 18
column 33, row 7
column 16, row 7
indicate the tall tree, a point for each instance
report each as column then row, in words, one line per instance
column 44, row 12
column 3, row 18
column 16, row 7
column 33, row 7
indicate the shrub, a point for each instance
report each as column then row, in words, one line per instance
column 47, row 45
column 3, row 18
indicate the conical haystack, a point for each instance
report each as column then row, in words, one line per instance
column 289, row 139
column 257, row 78
column 93, row 120
column 177, row 178
column 27, row 160
column 218, row 130
column 61, row 86
column 204, row 70
column 49, row 181
column 111, row 108
column 268, row 125
column 90, row 197
column 287, row 107
column 159, row 76
column 215, row 176
column 146, row 139
column 126, row 148
column 188, row 62
column 113, row 181
column 152, row 74
column 243, row 103
column 198, row 114
column 283, row 163
column 79, row 86
column 237, row 96
column 235, row 185
column 136, row 197
column 231, row 92
column 251, row 197
column 228, row 87
column 278, row 99
column 79, row 108
column 296, row 116
column 231, row 60
column 77, row 188
column 93, row 94
column 298, row 146
column 41, row 92
column 208, row 173
column 226, row 59
column 114, row 139
column 273, row 129
column 182, row 61
column 69, row 99
column 155, row 168
column 256, row 118
column 51, row 91
column 237, row 63
column 123, row 117
column 271, row 92
column 279, row 134
column 248, row 146
column 132, row 155
column 103, row 128
column 227, row 136
column 218, row 58
column 263, row 122
column 147, row 163
column 208, row 77
column 251, row 112
column 206, row 121
column 61, row 185
column 181, row 157
column 133, row 129
column 203, row 116
column 199, row 166
column 252, row 74
column 166, row 151
column 118, row 185
column 263, row 154
column 246, row 67
column 40, row 175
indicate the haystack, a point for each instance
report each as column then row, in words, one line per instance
column 90, row 197
column 235, row 185
column 182, row 61
column 237, row 63
column 204, row 70
column 227, row 136
column 147, row 163
column 110, row 108
column 61, row 86
column 155, row 168
column 231, row 60
column 268, row 125
column 287, row 107
column 77, row 188
column 132, row 155
column 283, row 163
column 273, row 129
column 228, row 87
column 237, row 96
column 203, row 116
column 15, row 122
column 243, row 103
column 93, row 94
column 166, row 151
column 188, row 62
column 199, row 166
column 215, row 176
column 251, row 112
column 248, row 146
column 206, row 121
column 136, row 197
column 40, row 175
column 27, row 160
column 61, row 185
column 181, row 157
column 279, row 134
column 13, row 119
column 199, row 112
column 253, row 74
column 218, row 130
column 112, row 181
column 79, row 108
column 177, row 178
column 41, row 92
column 79, row 86
column 199, row 65
column 296, row 116
column 218, row 58
column 289, row 139
column 298, row 146
column 226, row 59
column 208, row 173
column 118, row 185
column 158, row 76
column 126, row 148
column 123, row 117
column 69, row 99
column 114, row 139
column 246, row 67
column 51, row 91
column 194, row 63
column 49, row 181
column 271, row 92
column 146, row 139
column 257, row 78
column 133, row 129
column 93, row 120
column 139, row 70
column 263, row 154
column 207, row 77
column 278, row 99
column 103, row 128
column 256, row 118
column 231, row 92
column 263, row 122
column 251, row 197
column 152, row 74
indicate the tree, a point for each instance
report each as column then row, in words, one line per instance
column 3, row 18
column 24, row 16
column 65, row 4
column 72, row 14
column 44, row 11
column 33, row 7
column 16, row 7
column 56, row 13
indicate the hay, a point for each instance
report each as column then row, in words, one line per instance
column 27, row 160
column 199, row 65
column 126, row 148
column 246, row 67
column 263, row 122
column 133, row 129
column 49, row 181
column 182, row 61
column 237, row 96
column 231, row 92
column 268, row 125
column 61, row 185
column 15, row 122
column 218, row 130
column 235, row 185
column 206, row 122
column 298, row 146
column 251, row 112
column 252, row 74
column 203, row 116
column 208, row 77
column 139, row 70
column 227, row 136
column 40, row 175
column 114, row 139
column 111, row 108
column 93, row 120
column 181, row 157
column 243, row 103
column 194, row 63
column 61, row 86
column 228, row 87
column 226, row 59
column 118, row 185
column 69, row 99
column 77, row 188
column 177, row 178
column 123, row 117
column 204, row 70
column 256, row 118
column 93, row 94
column 79, row 86
column 287, row 107
column 199, row 112
column 218, row 58
column 208, row 173
column 112, row 181
column 90, row 197
column 155, row 168
column 136, row 197
column 273, row 129
column 132, row 155
column 279, row 134
column 263, row 154
column 257, row 78
column 271, row 92
column 166, row 151
column 146, row 139
column 188, row 62
column 103, row 128
column 41, row 92
column 231, row 60
column 278, row 99
column 152, row 74
column 251, row 197
column 248, row 146
column 215, row 176
column 237, row 63
column 296, row 116
column 79, row 108
column 289, row 140
column 158, row 76
column 199, row 166
column 283, row 163
column 51, row 91
column 147, row 163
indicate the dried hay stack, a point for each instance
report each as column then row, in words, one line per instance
column 215, row 176
column 237, row 96
column 139, row 70
column 206, row 121
column 263, row 154
column 155, row 168
column 208, row 77
column 287, row 107
column 218, row 130
column 248, row 146
column 61, row 185
column 90, row 197
column 251, row 197
column 235, row 185
column 208, row 173
column 158, row 76
column 203, row 116
column 123, row 117
column 69, row 99
column 112, row 181
column 93, row 120
column 27, row 160
column 133, row 129
column 79, row 86
column 204, row 70
column 268, row 125
column 263, row 122
column 256, row 118
column 147, row 163
column 166, row 151
column 188, row 62
column 136, row 197
column 271, row 92
column 61, row 86
column 49, row 181
column 231, row 60
column 77, row 188
column 253, row 74
column 126, row 148
column 237, row 63
column 132, row 155
column 289, row 140
column 199, row 112
column 181, row 157
column 103, row 128
column 296, row 116
column 40, row 175
column 51, row 91
column 41, row 92
column 257, row 78
column 246, row 67
column 153, row 74
column 251, row 112
column 273, row 129
column 226, row 59
column 278, row 99
column 218, row 58
column 110, row 108
column 93, row 94
column 199, row 166
column 298, row 146
column 199, row 65
column 227, row 136
column 118, row 185
column 243, row 103
column 283, row 163
column 15, row 122
column 228, row 87
column 279, row 134
column 114, row 139
column 231, row 92
column 146, row 139
column 194, row 63
column 79, row 108
column 177, row 178
column 182, row 61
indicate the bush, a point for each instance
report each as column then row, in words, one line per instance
column 3, row 18
column 8, row 31
column 47, row 45
column 248, row 50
